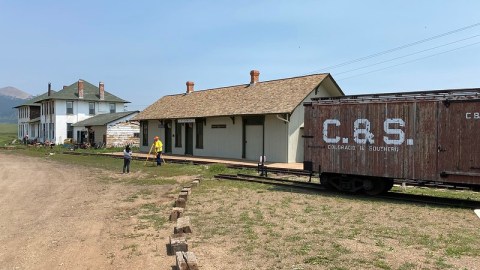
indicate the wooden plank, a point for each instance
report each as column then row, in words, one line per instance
column 183, row 225
column 178, row 242
column 186, row 261
column 180, row 202
column 176, row 213
column 184, row 195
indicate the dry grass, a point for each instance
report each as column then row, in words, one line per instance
column 256, row 226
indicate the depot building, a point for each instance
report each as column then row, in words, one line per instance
column 239, row 122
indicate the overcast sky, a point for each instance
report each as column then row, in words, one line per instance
column 143, row 50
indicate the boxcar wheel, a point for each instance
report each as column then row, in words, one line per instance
column 374, row 186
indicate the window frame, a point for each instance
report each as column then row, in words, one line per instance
column 114, row 107
column 90, row 108
column 69, row 112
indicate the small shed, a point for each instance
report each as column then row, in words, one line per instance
column 109, row 130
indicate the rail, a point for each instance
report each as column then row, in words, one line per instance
column 390, row 196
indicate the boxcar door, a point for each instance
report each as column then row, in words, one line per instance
column 459, row 141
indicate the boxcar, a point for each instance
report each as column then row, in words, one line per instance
column 365, row 142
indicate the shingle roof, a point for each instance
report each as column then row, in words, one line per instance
column 90, row 93
column 102, row 119
column 268, row 97
column 32, row 101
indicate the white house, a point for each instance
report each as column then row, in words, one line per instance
column 58, row 111
column 241, row 122
column 29, row 118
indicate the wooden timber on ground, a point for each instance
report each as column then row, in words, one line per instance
column 184, row 195
column 183, row 225
column 178, row 242
column 180, row 202
column 187, row 189
column 186, row 261
column 176, row 213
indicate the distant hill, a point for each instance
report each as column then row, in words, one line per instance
column 9, row 98
column 10, row 91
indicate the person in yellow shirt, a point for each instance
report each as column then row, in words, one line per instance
column 158, row 147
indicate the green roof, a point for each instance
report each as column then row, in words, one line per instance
column 103, row 119
column 32, row 101
column 90, row 93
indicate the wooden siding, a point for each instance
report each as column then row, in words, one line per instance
column 122, row 134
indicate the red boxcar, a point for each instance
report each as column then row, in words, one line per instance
column 364, row 142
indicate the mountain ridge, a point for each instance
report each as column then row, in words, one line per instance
column 9, row 98
column 14, row 92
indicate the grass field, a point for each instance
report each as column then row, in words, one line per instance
column 8, row 132
column 255, row 226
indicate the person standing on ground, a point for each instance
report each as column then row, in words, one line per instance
column 127, row 156
column 158, row 145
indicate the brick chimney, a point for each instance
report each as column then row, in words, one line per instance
column 80, row 88
column 254, row 74
column 49, row 89
column 190, row 87
column 101, row 90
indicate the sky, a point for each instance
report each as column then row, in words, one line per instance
column 143, row 50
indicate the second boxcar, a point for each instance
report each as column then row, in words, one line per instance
column 365, row 142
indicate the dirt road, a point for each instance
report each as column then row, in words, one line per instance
column 56, row 216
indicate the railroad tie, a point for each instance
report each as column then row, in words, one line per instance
column 184, row 195
column 176, row 213
column 180, row 202
column 186, row 261
column 178, row 242
column 183, row 225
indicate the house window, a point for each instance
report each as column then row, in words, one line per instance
column 53, row 107
column 145, row 133
column 69, row 131
column 199, row 133
column 112, row 108
column 70, row 107
column 178, row 134
column 91, row 108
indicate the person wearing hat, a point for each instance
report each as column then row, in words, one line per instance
column 158, row 145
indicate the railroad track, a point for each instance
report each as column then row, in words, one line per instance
column 272, row 181
column 390, row 196
column 294, row 172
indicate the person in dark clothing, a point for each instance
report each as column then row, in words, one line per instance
column 127, row 157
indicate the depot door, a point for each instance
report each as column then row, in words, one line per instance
column 188, row 139
column 168, row 137
column 253, row 137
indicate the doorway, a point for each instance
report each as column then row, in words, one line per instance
column 253, row 137
column 168, row 137
column 188, row 138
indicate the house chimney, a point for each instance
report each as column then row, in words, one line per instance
column 101, row 89
column 190, row 87
column 49, row 89
column 254, row 74
column 64, row 86
column 80, row 88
